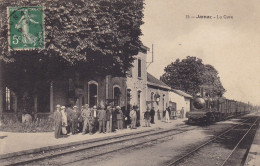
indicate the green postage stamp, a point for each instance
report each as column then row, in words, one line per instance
column 26, row 28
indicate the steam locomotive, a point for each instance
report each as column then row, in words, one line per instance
column 210, row 110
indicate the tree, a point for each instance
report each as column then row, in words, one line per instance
column 211, row 81
column 190, row 75
column 101, row 35
column 81, row 36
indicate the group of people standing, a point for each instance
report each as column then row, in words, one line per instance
column 89, row 120
column 167, row 113
column 149, row 116
column 105, row 120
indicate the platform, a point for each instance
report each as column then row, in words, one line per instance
column 11, row 142
column 253, row 158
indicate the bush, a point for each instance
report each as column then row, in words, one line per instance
column 38, row 125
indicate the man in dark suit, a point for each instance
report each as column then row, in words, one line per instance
column 57, row 122
column 152, row 113
column 94, row 114
column 80, row 120
column 75, row 117
column 109, row 119
column 114, row 120
column 147, row 117
column 69, row 118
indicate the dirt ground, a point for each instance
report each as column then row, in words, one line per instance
column 162, row 151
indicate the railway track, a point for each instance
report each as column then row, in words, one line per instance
column 244, row 136
column 249, row 123
column 90, row 149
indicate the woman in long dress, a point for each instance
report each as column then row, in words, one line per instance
column 167, row 116
column 64, row 120
column 133, row 118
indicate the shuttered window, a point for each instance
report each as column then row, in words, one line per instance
column 139, row 68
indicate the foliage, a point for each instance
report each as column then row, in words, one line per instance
column 38, row 125
column 191, row 74
column 81, row 36
column 184, row 75
column 211, row 82
column 98, row 35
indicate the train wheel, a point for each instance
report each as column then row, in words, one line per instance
column 208, row 122
column 212, row 119
column 189, row 121
column 217, row 119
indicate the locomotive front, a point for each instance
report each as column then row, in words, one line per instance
column 201, row 111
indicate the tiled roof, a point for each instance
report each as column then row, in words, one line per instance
column 151, row 80
column 182, row 93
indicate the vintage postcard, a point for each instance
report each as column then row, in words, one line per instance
column 130, row 82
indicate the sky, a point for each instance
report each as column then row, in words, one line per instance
column 232, row 46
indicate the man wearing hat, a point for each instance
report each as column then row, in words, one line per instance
column 74, row 120
column 113, row 121
column 80, row 120
column 94, row 111
column 86, row 115
column 133, row 118
column 119, row 118
column 94, row 118
column 102, row 119
column 69, row 118
column 152, row 113
column 57, row 122
column 109, row 119
column 147, row 117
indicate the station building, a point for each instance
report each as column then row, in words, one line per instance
column 79, row 90
column 92, row 90
column 157, row 95
column 138, row 88
column 136, row 84
column 96, row 90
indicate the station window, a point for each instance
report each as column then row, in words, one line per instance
column 139, row 68
column 7, row 99
column 128, row 95
column 163, row 102
column 92, row 93
column 152, row 97
column 117, row 94
column 139, row 99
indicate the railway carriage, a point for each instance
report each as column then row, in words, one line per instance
column 239, row 108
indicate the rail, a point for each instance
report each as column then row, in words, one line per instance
column 175, row 162
column 60, row 151
column 239, row 142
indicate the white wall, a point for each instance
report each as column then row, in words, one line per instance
column 138, row 84
column 187, row 105
column 160, row 105
column 180, row 101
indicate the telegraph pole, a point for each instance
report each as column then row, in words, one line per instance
column 152, row 59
